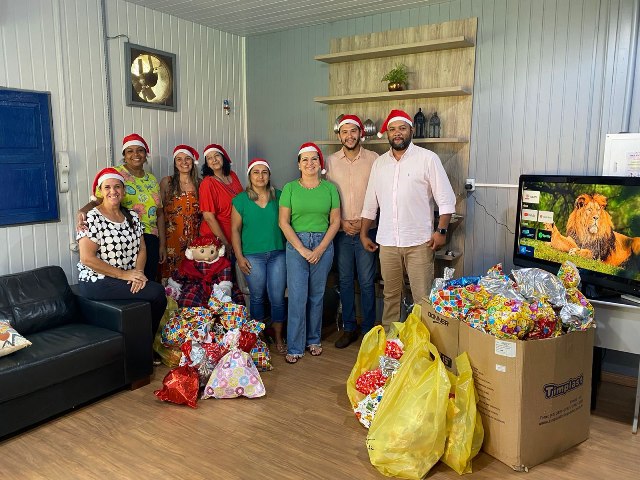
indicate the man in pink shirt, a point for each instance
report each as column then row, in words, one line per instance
column 349, row 170
column 405, row 183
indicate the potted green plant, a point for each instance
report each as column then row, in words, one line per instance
column 397, row 77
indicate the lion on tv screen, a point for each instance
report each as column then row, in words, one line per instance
column 595, row 226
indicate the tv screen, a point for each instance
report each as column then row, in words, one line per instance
column 592, row 221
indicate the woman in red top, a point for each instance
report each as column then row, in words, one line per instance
column 218, row 187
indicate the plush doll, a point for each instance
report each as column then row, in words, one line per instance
column 205, row 270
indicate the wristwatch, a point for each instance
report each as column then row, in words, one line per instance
column 441, row 231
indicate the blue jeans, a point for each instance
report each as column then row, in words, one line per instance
column 353, row 257
column 306, row 283
column 268, row 273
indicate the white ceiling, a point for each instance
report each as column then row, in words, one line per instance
column 252, row 17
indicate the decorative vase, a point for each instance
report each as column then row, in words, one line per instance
column 370, row 129
column 395, row 86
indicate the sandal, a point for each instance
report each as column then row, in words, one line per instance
column 292, row 358
column 281, row 348
column 315, row 350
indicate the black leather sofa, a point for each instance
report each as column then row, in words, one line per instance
column 81, row 349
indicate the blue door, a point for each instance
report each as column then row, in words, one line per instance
column 28, row 191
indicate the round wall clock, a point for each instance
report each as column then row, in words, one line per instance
column 151, row 78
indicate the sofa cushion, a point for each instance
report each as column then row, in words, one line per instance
column 10, row 340
column 36, row 300
column 56, row 355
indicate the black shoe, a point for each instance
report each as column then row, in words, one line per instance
column 347, row 339
column 156, row 359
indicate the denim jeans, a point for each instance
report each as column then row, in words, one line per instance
column 352, row 257
column 268, row 274
column 306, row 283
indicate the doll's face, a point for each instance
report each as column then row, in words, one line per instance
column 204, row 254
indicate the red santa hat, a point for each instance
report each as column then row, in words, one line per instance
column 187, row 150
column 103, row 175
column 216, row 148
column 312, row 147
column 258, row 161
column 394, row 116
column 134, row 139
column 353, row 119
column 205, row 241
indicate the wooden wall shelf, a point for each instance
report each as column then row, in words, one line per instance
column 393, row 50
column 436, row 55
column 403, row 95
column 380, row 141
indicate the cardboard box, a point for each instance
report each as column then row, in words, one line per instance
column 534, row 396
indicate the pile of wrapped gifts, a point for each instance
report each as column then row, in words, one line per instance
column 372, row 382
column 219, row 353
column 530, row 304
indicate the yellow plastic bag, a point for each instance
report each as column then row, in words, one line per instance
column 464, row 425
column 371, row 348
column 169, row 356
column 412, row 331
column 407, row 435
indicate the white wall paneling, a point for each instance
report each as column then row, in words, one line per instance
column 550, row 79
column 57, row 46
column 210, row 69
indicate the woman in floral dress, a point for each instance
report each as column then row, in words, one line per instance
column 182, row 211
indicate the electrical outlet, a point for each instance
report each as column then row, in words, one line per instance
column 470, row 184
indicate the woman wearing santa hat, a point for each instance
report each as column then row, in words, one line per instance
column 309, row 218
column 259, row 245
column 142, row 194
column 113, row 251
column 179, row 194
column 218, row 187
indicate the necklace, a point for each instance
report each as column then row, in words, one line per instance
column 114, row 216
column 229, row 187
column 224, row 179
column 140, row 173
column 308, row 188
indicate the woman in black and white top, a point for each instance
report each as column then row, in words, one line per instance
column 113, row 252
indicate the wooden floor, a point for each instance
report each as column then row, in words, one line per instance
column 302, row 429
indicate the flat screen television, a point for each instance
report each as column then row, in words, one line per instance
column 592, row 221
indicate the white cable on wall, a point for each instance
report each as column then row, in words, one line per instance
column 107, row 80
column 62, row 124
column 496, row 185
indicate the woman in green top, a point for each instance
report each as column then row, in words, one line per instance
column 309, row 219
column 259, row 245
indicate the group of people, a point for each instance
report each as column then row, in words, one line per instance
column 279, row 239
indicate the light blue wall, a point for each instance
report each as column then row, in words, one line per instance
column 550, row 83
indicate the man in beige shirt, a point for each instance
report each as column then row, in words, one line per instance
column 349, row 170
